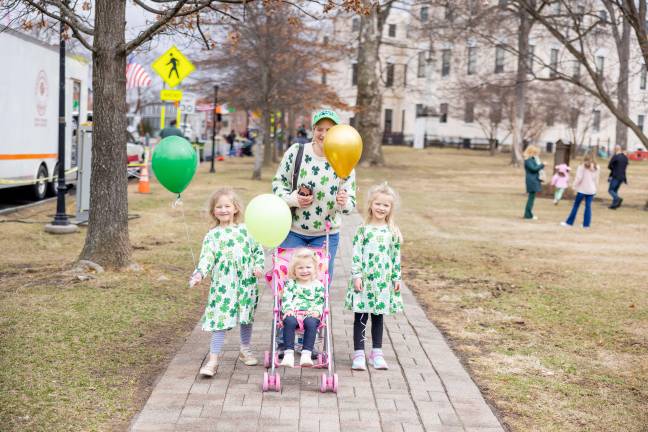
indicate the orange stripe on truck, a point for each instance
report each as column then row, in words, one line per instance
column 28, row 156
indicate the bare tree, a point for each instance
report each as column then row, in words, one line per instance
column 273, row 63
column 369, row 96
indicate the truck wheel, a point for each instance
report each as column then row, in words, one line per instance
column 39, row 189
column 53, row 185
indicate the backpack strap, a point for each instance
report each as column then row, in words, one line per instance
column 298, row 162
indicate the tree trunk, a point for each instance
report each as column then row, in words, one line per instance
column 107, row 240
column 623, row 48
column 520, row 86
column 369, row 97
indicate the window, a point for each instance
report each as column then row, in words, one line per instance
column 323, row 77
column 472, row 60
column 642, row 78
column 354, row 74
column 499, row 59
column 531, row 54
column 420, row 71
column 388, row 120
column 573, row 118
column 469, row 114
column 419, row 110
column 553, row 62
column 443, row 110
column 496, row 113
column 551, row 118
column 603, row 15
column 596, row 120
column 576, row 71
column 445, row 62
column 448, row 12
column 640, row 122
column 392, row 30
column 389, row 82
column 424, row 13
column 355, row 24
column 600, row 64
column 405, row 75
column 556, row 8
column 403, row 121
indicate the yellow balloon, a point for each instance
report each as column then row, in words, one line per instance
column 343, row 148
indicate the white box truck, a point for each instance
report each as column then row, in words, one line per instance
column 29, row 76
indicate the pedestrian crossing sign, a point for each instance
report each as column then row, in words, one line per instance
column 173, row 66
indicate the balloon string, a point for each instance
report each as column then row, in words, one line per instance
column 178, row 203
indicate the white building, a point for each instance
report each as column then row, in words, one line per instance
column 433, row 73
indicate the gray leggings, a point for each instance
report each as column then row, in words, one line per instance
column 218, row 338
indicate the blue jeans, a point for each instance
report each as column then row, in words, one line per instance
column 295, row 240
column 310, row 332
column 587, row 217
column 613, row 190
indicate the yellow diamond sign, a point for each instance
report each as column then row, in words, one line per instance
column 173, row 66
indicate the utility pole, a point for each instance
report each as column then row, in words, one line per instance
column 214, row 117
column 61, row 223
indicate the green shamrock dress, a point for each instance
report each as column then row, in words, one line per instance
column 307, row 297
column 376, row 260
column 230, row 255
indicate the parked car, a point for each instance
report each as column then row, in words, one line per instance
column 134, row 149
column 638, row 155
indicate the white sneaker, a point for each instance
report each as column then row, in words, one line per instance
column 565, row 224
column 377, row 360
column 288, row 358
column 247, row 356
column 305, row 360
column 359, row 361
column 210, row 368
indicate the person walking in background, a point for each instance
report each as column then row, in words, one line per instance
column 230, row 138
column 560, row 181
column 617, row 166
column 171, row 130
column 585, row 184
column 532, row 168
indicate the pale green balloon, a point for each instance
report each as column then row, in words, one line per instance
column 268, row 219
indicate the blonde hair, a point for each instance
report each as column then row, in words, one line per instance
column 301, row 255
column 589, row 161
column 384, row 189
column 531, row 151
column 238, row 206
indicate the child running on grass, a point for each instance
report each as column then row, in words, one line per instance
column 375, row 274
column 560, row 181
column 303, row 298
column 234, row 261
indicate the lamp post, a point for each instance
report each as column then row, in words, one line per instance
column 214, row 117
column 61, row 223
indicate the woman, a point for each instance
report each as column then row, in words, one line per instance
column 532, row 168
column 585, row 184
column 307, row 182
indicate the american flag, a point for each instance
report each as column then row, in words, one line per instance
column 136, row 76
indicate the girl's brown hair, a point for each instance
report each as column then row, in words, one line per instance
column 236, row 201
column 301, row 255
column 384, row 189
column 589, row 161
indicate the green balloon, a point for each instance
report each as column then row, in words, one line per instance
column 268, row 219
column 174, row 163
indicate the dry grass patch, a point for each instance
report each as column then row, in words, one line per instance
column 552, row 322
column 83, row 354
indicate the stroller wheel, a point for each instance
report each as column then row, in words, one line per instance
column 264, row 384
column 277, row 382
column 266, row 359
column 323, row 383
column 335, row 383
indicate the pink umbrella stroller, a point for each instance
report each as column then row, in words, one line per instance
column 276, row 279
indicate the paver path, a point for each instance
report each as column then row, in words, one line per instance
column 426, row 388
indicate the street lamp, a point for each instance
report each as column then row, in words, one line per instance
column 61, row 223
column 214, row 117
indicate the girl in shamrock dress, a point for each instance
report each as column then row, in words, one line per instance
column 234, row 261
column 375, row 275
column 303, row 294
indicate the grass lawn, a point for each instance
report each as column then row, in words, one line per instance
column 552, row 323
column 82, row 355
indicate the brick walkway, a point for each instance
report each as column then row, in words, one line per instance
column 426, row 388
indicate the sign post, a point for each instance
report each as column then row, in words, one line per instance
column 172, row 67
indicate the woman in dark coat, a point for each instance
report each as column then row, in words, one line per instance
column 532, row 168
